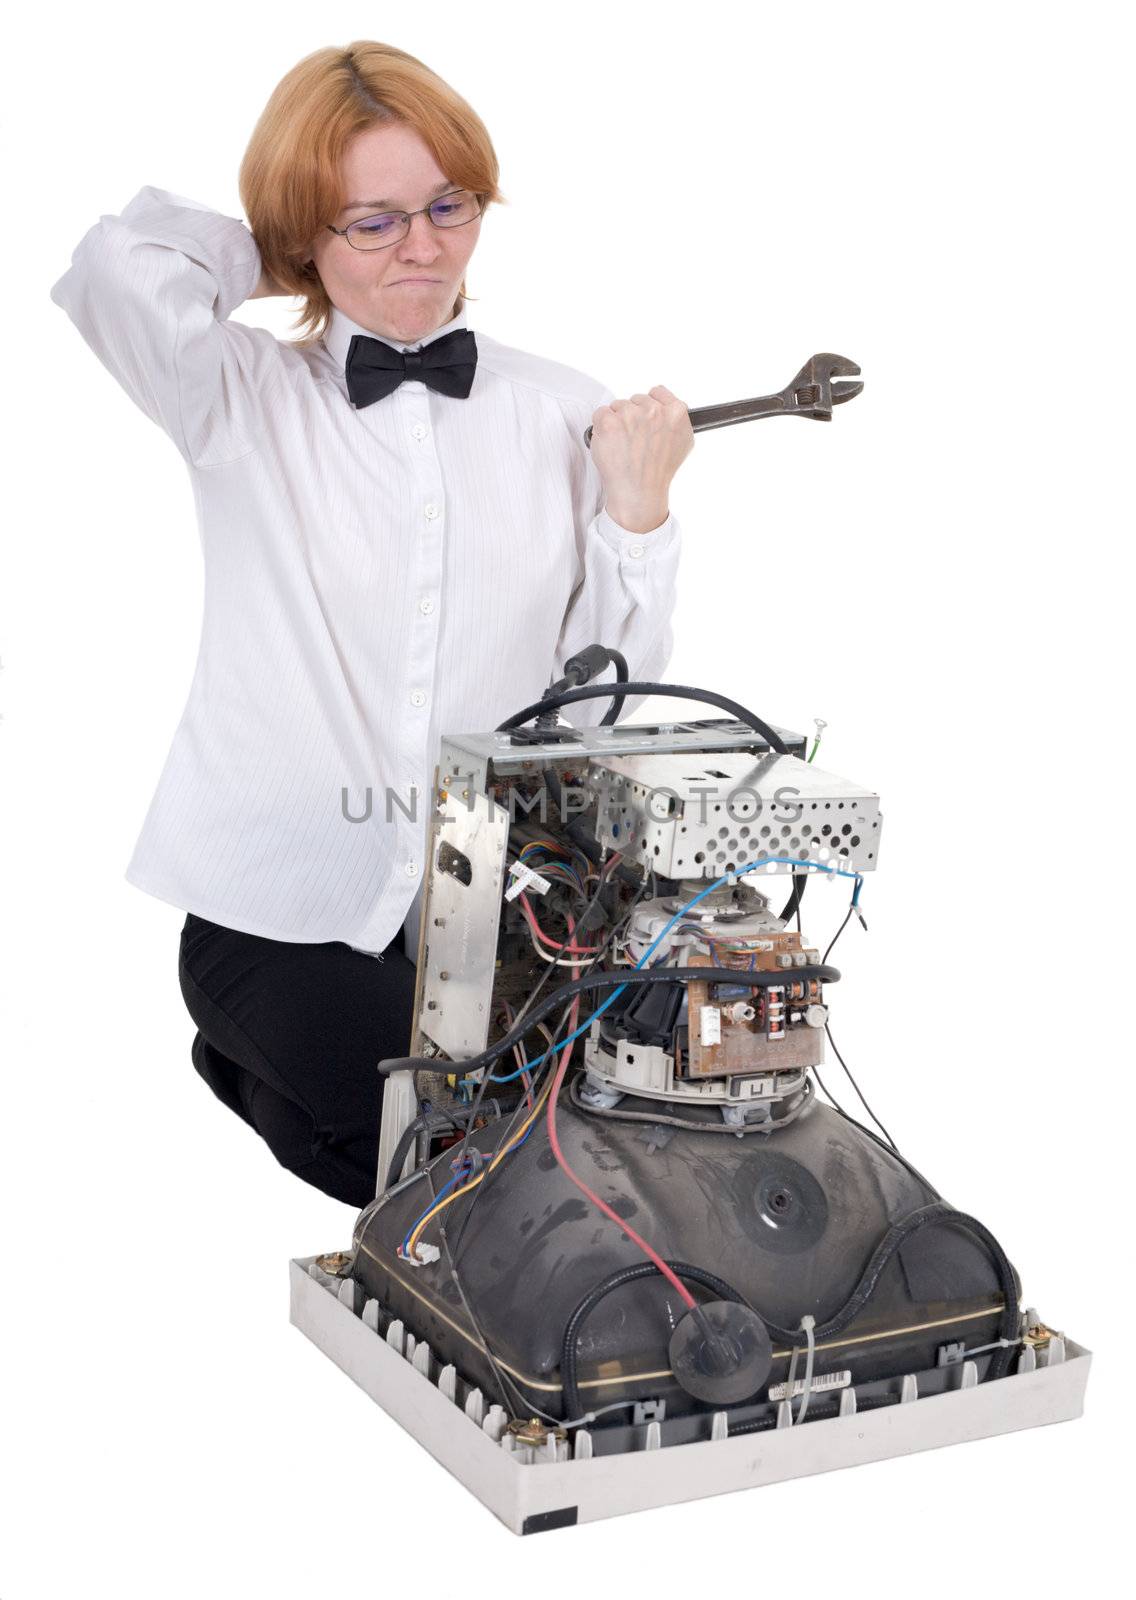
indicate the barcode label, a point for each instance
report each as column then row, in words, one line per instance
column 823, row 1380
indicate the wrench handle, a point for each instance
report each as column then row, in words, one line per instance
column 704, row 417
column 764, row 405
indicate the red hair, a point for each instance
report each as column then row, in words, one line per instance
column 290, row 172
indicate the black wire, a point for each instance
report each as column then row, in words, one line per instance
column 551, row 1053
column 676, row 691
column 432, row 1122
column 569, row 1386
column 517, row 1404
column 836, row 1106
column 611, row 980
column 525, row 1008
column 549, row 719
column 891, row 1149
column 843, row 1063
column 526, row 1406
column 935, row 1215
column 793, row 904
column 838, row 932
column 859, row 1091
column 611, row 715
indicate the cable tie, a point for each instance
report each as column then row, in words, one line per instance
column 808, row 1326
column 474, row 1160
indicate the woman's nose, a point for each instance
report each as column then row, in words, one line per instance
column 421, row 240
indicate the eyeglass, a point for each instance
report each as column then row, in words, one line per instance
column 376, row 233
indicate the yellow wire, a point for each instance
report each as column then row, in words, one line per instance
column 458, row 1194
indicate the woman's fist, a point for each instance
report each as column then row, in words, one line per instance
column 638, row 445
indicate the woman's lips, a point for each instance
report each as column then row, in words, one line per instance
column 399, row 281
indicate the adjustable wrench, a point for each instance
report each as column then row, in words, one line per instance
column 812, row 393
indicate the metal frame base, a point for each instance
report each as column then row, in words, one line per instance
column 532, row 1491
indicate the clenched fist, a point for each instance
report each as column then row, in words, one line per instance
column 638, row 445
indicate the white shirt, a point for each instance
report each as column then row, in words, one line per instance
column 374, row 578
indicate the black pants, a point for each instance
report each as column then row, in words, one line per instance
column 289, row 1037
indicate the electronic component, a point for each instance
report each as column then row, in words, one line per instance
column 613, row 1212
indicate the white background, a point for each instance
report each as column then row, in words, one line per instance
column 699, row 196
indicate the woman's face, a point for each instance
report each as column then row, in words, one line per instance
column 408, row 289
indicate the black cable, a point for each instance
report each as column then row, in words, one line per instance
column 549, row 719
column 793, row 904
column 936, row 1214
column 550, row 1056
column 432, row 1122
column 611, row 980
column 553, row 1049
column 676, row 691
column 526, row 1008
column 580, row 669
column 573, row 1406
column 611, row 715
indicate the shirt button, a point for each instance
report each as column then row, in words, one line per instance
column 412, row 869
column 431, row 510
column 426, row 606
column 419, row 430
column 634, row 549
column 417, row 698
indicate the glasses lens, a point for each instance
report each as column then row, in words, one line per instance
column 371, row 233
column 454, row 209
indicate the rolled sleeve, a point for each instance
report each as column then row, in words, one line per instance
column 150, row 291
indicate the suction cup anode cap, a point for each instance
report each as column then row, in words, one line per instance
column 721, row 1352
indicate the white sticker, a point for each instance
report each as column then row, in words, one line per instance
column 823, row 1380
column 711, row 1019
column 525, row 878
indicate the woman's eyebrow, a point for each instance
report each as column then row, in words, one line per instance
column 354, row 205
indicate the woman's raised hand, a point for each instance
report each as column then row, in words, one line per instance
column 638, row 445
column 267, row 286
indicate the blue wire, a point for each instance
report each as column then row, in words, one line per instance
column 789, row 861
column 459, row 1177
column 441, row 1194
column 530, row 1066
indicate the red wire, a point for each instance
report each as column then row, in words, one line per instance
column 573, row 949
column 652, row 1255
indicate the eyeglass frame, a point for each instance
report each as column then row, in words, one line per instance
column 410, row 216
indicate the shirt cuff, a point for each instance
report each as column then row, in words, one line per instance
column 636, row 545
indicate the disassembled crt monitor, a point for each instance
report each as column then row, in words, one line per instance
column 620, row 1226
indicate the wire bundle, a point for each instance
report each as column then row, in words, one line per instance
column 455, row 1188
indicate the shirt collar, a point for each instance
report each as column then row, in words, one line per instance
column 341, row 330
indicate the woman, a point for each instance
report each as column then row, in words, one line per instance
column 404, row 536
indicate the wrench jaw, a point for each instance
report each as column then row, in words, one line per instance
column 813, row 393
column 845, row 391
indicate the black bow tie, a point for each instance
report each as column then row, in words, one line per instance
column 374, row 369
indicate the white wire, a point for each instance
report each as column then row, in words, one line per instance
column 559, row 961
